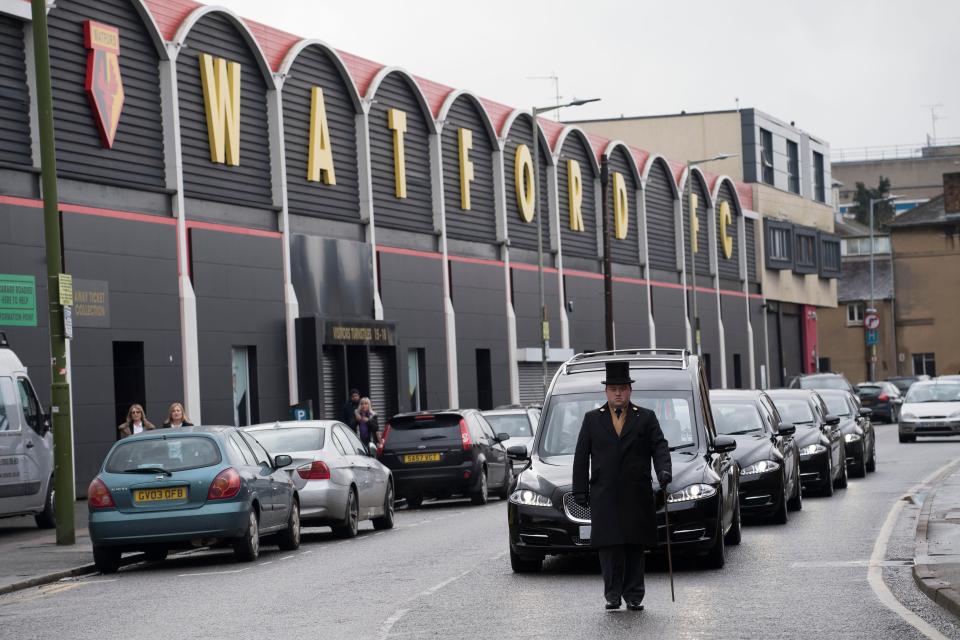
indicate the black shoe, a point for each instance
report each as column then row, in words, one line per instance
column 634, row 606
column 612, row 605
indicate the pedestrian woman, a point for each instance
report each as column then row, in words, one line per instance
column 611, row 475
column 176, row 418
column 136, row 422
column 368, row 426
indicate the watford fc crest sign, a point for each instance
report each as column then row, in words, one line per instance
column 103, row 85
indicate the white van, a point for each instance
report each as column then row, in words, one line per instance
column 26, row 444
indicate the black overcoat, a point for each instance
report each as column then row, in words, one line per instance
column 614, row 471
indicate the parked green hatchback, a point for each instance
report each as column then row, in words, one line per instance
column 190, row 487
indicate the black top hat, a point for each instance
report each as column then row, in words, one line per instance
column 618, row 373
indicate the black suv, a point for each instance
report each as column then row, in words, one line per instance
column 443, row 453
column 703, row 497
column 823, row 380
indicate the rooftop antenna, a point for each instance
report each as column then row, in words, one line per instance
column 737, row 100
column 933, row 121
column 556, row 88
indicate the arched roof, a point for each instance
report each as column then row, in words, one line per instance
column 577, row 132
column 612, row 146
column 655, row 158
column 183, row 32
column 414, row 87
column 287, row 64
column 516, row 115
column 715, row 191
column 469, row 96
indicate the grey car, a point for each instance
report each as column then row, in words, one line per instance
column 338, row 480
column 518, row 421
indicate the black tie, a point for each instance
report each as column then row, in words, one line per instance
column 618, row 412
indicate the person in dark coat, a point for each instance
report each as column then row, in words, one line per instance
column 611, row 474
column 348, row 413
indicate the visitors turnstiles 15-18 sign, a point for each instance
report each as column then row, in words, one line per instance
column 368, row 333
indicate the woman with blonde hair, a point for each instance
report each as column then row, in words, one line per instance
column 136, row 422
column 368, row 426
column 176, row 417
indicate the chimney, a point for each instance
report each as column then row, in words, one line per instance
column 951, row 193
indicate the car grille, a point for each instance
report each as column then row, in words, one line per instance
column 574, row 511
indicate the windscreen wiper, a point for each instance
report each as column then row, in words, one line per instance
column 743, row 433
column 681, row 446
column 148, row 470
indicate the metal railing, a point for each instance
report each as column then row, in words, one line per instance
column 929, row 149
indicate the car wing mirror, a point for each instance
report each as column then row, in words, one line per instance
column 723, row 444
column 786, row 429
column 518, row 452
column 502, row 436
column 898, row 401
column 832, row 420
column 865, row 412
column 281, row 461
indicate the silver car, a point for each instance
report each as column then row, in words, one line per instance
column 339, row 482
column 519, row 421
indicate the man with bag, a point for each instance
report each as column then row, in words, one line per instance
column 611, row 475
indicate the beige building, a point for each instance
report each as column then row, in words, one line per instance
column 926, row 258
column 843, row 336
column 916, row 278
column 914, row 171
column 791, row 205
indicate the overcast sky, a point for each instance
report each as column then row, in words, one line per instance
column 853, row 72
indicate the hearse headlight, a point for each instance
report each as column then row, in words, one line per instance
column 530, row 498
column 692, row 492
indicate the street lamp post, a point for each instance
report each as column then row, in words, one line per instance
column 692, row 212
column 872, row 366
column 535, row 149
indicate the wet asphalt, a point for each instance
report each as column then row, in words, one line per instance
column 443, row 572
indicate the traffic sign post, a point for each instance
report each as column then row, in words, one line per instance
column 872, row 337
column 871, row 320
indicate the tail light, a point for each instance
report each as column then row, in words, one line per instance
column 318, row 470
column 383, row 440
column 465, row 435
column 225, row 485
column 883, row 397
column 98, row 496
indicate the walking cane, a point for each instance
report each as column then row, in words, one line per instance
column 666, row 516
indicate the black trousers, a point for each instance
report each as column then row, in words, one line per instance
column 622, row 566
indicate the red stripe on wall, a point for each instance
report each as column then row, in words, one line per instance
column 531, row 267
column 225, row 228
column 433, row 255
column 90, row 211
column 483, row 261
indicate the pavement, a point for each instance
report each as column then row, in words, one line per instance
column 31, row 556
column 936, row 568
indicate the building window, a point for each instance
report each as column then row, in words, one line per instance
column 855, row 314
column 766, row 155
column 805, row 253
column 830, row 265
column 793, row 167
column 861, row 246
column 819, row 194
column 924, row 363
column 778, row 244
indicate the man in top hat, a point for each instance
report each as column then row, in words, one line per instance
column 611, row 474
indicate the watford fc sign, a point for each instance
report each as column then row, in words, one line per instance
column 103, row 85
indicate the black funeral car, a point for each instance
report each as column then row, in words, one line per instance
column 823, row 466
column 856, row 426
column 703, row 497
column 768, row 456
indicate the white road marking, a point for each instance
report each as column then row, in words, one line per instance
column 826, row 564
column 263, row 564
column 388, row 624
column 875, row 572
column 211, row 573
column 286, row 557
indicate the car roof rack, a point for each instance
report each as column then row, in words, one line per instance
column 654, row 358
